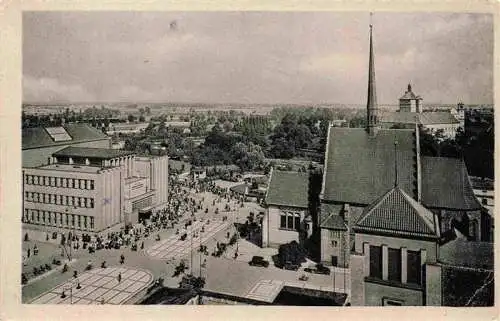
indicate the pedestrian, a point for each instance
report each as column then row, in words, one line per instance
column 119, row 277
column 29, row 252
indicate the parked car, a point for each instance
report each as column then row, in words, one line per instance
column 318, row 269
column 258, row 261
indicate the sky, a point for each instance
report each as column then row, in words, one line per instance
column 255, row 57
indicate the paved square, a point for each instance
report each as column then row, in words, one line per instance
column 97, row 285
column 174, row 247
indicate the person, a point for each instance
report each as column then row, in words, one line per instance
column 122, row 259
column 119, row 277
column 29, row 252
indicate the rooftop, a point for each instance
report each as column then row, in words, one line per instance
column 85, row 152
column 38, row 137
column 358, row 167
column 425, row 118
column 445, row 184
column 72, row 168
column 397, row 213
column 288, row 188
column 467, row 254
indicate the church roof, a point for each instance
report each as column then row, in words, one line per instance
column 38, row 137
column 436, row 118
column 359, row 166
column 397, row 213
column 446, row 184
column 288, row 188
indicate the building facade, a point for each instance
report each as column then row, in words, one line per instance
column 90, row 189
column 286, row 218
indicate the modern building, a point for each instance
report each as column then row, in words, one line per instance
column 38, row 143
column 287, row 216
column 87, row 188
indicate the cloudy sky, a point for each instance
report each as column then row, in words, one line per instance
column 252, row 57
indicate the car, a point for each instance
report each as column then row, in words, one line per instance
column 321, row 269
column 318, row 269
column 258, row 261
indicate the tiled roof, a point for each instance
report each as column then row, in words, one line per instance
column 330, row 217
column 397, row 213
column 445, row 184
column 425, row 118
column 38, row 137
column 103, row 153
column 288, row 189
column 469, row 254
column 436, row 118
column 359, row 167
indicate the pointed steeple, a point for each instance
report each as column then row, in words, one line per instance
column 396, row 180
column 371, row 106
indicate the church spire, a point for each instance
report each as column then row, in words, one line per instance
column 396, row 179
column 371, row 106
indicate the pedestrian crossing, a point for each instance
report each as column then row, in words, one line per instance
column 173, row 247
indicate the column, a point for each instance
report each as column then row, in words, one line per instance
column 366, row 253
column 385, row 262
column 404, row 265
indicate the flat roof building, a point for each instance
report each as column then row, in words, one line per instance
column 84, row 188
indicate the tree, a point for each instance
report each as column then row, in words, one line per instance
column 131, row 118
column 248, row 157
column 142, row 119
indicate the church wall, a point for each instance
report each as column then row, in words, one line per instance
column 393, row 242
column 334, row 243
column 376, row 293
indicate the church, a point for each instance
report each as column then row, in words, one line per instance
column 406, row 226
column 386, row 211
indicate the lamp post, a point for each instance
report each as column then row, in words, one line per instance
column 72, row 283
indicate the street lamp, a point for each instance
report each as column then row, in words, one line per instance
column 72, row 283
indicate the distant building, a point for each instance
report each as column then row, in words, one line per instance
column 411, row 113
column 409, row 102
column 88, row 189
column 287, row 215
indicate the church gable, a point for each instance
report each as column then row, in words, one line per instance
column 397, row 213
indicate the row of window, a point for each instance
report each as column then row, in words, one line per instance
column 75, row 201
column 59, row 182
column 290, row 220
column 58, row 219
column 414, row 266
